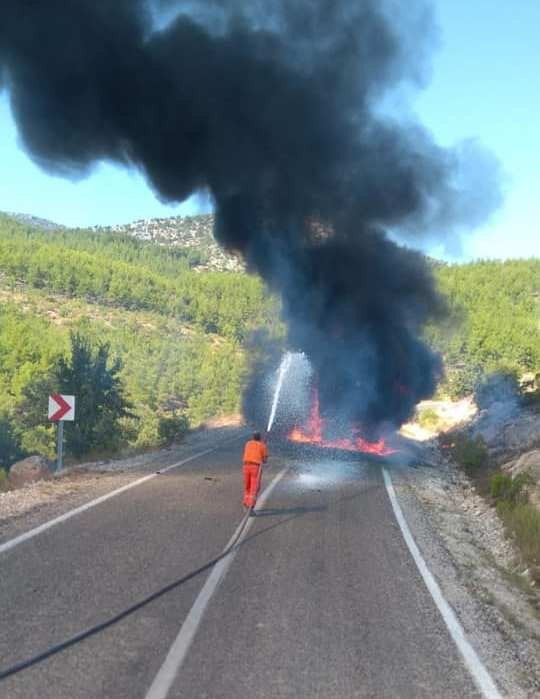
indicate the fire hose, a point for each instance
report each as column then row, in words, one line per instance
column 93, row 630
column 98, row 628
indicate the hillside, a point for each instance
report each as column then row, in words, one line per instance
column 179, row 334
column 194, row 233
column 33, row 221
column 181, row 329
column 493, row 324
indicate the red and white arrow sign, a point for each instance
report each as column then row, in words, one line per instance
column 61, row 407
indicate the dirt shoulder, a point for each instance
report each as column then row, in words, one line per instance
column 463, row 541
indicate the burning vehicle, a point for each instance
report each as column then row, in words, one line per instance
column 314, row 433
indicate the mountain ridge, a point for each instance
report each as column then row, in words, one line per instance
column 193, row 233
column 188, row 232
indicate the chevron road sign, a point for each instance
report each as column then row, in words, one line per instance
column 61, row 407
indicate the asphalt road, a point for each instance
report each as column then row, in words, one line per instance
column 322, row 599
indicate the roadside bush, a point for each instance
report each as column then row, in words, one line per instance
column 460, row 382
column 153, row 429
column 471, row 454
column 172, row 427
column 523, row 522
column 10, row 448
column 41, row 440
column 3, row 480
column 510, row 490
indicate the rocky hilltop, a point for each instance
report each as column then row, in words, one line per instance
column 191, row 232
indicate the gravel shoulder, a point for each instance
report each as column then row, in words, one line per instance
column 28, row 507
column 463, row 542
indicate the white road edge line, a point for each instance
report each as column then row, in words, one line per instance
column 478, row 671
column 78, row 510
column 163, row 681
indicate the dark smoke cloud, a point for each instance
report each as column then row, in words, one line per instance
column 272, row 107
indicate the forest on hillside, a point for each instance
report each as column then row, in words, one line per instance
column 177, row 342
column 180, row 336
column 493, row 323
column 125, row 272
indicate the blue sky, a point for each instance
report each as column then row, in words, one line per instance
column 483, row 85
column 109, row 195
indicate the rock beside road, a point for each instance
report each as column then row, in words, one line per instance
column 30, row 470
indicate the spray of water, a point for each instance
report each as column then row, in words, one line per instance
column 282, row 371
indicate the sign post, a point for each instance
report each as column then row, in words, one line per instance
column 61, row 408
column 60, row 437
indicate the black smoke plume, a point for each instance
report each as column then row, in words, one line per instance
column 274, row 107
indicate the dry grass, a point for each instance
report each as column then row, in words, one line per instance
column 429, row 419
column 4, row 483
column 523, row 524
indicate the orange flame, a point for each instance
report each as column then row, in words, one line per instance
column 312, row 433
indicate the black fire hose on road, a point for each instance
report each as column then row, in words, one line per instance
column 93, row 630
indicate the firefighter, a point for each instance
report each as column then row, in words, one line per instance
column 255, row 454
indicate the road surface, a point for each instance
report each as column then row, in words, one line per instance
column 322, row 599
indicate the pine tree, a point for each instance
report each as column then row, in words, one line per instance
column 95, row 382
column 10, row 450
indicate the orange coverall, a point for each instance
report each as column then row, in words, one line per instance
column 255, row 454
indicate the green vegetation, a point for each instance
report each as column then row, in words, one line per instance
column 521, row 519
column 9, row 447
column 3, row 480
column 101, row 403
column 133, row 275
column 428, row 418
column 494, row 323
column 470, row 454
column 178, row 340
column 174, row 339
column 522, row 522
column 513, row 491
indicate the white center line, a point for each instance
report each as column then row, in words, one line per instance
column 78, row 510
column 175, row 657
column 478, row 671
